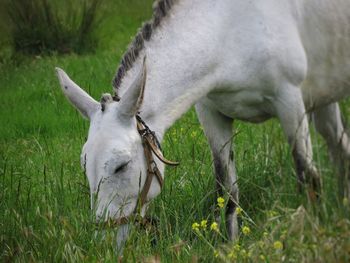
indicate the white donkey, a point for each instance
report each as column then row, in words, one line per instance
column 233, row 59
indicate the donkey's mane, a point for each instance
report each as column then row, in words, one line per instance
column 160, row 10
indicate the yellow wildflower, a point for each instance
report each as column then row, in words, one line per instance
column 221, row 202
column 195, row 226
column 265, row 234
column 237, row 247
column 246, row 230
column 216, row 253
column 232, row 255
column 214, row 226
column 272, row 213
column 262, row 257
column 239, row 211
column 193, row 134
column 204, row 224
column 278, row 245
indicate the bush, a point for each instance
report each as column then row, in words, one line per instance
column 46, row 26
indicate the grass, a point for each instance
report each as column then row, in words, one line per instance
column 44, row 196
column 41, row 26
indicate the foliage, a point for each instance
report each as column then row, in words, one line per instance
column 43, row 26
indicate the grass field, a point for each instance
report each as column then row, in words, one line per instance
column 44, row 195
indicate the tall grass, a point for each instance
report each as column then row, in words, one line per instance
column 43, row 26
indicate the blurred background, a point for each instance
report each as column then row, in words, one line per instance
column 44, row 27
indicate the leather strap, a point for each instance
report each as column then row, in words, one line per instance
column 152, row 169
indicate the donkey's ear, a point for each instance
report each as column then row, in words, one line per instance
column 78, row 97
column 131, row 101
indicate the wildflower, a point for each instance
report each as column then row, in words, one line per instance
column 193, row 134
column 214, row 226
column 232, row 255
column 221, row 202
column 239, row 210
column 345, row 201
column 246, row 230
column 277, row 245
column 272, row 213
column 237, row 247
column 216, row 253
column 204, row 224
column 265, row 234
column 262, row 257
column 195, row 226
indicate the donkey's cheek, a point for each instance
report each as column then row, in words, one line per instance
column 119, row 185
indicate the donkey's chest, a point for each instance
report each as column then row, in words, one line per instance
column 247, row 105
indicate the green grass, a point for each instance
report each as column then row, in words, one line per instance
column 46, row 27
column 44, row 195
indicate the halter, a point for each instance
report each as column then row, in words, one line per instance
column 150, row 145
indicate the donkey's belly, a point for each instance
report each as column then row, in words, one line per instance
column 245, row 105
column 320, row 94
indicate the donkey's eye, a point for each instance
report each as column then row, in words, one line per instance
column 121, row 168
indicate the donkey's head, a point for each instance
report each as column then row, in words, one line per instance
column 113, row 155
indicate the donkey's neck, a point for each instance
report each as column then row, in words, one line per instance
column 170, row 91
column 181, row 62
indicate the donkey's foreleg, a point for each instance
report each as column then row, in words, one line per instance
column 292, row 115
column 218, row 129
column 329, row 124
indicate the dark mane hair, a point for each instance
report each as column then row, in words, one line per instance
column 160, row 10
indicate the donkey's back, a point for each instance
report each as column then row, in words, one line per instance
column 303, row 43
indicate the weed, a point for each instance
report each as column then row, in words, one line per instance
column 42, row 26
